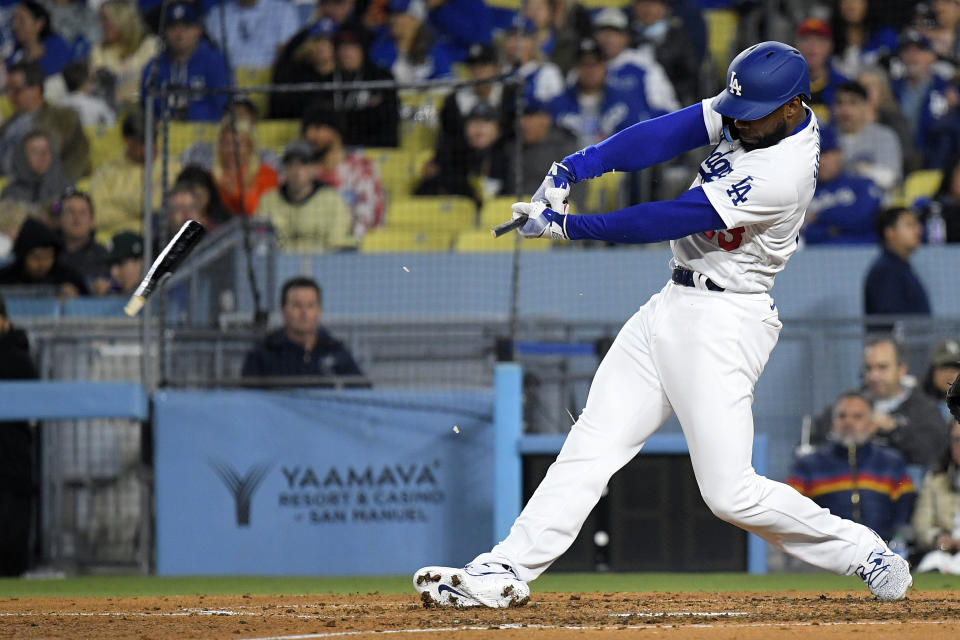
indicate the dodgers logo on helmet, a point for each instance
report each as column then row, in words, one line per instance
column 761, row 79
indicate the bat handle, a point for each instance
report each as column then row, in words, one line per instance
column 509, row 225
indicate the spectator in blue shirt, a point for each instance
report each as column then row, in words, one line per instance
column 461, row 23
column 855, row 477
column 844, row 206
column 187, row 61
column 36, row 41
column 542, row 80
column 591, row 107
column 892, row 286
column 630, row 72
column 408, row 47
column 921, row 92
column 815, row 43
column 860, row 37
column 255, row 30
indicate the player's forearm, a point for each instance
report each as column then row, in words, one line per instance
column 642, row 145
column 649, row 222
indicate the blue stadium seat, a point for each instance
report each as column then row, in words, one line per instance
column 107, row 306
column 32, row 306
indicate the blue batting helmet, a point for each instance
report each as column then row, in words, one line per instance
column 762, row 78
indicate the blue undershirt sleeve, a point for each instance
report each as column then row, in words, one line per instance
column 642, row 145
column 689, row 213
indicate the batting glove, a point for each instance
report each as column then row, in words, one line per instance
column 542, row 221
column 558, row 177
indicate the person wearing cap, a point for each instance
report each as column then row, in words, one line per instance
column 252, row 31
column 815, row 43
column 921, row 92
column 307, row 215
column 117, row 187
column 629, row 71
column 662, row 37
column 481, row 65
column 37, row 261
column 186, row 61
column 309, row 56
column 542, row 80
column 870, row 149
column 25, row 88
column 371, row 117
column 125, row 258
column 943, row 370
column 409, row 48
column 542, row 143
column 350, row 172
column 482, row 169
column 591, row 107
column 844, row 206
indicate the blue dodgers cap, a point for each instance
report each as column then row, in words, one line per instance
column 522, row 24
column 761, row 79
column 183, row 12
column 914, row 38
column 323, row 28
column 416, row 8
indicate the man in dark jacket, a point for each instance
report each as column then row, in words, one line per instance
column 906, row 419
column 301, row 347
column 37, row 261
column 854, row 476
column 892, row 286
column 81, row 251
column 16, row 456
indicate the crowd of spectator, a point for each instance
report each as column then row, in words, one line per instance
column 883, row 80
column 887, row 455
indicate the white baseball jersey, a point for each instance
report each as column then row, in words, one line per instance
column 762, row 196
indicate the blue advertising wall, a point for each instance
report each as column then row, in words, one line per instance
column 321, row 482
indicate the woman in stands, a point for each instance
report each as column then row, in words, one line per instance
column 240, row 175
column 125, row 50
column 35, row 39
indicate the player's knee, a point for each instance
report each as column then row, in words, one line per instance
column 728, row 503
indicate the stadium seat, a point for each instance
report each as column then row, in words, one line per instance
column 277, row 134
column 32, row 306
column 401, row 240
column 3, row 181
column 94, row 307
column 496, row 210
column 419, row 118
column 248, row 77
column 921, row 184
column 106, row 144
column 481, row 240
column 185, row 134
column 432, row 213
column 721, row 30
column 397, row 169
column 603, row 193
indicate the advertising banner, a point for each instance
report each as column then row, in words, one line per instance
column 321, row 482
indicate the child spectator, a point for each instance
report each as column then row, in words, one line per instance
column 351, row 173
column 92, row 110
column 307, row 215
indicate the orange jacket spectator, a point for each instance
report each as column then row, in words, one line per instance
column 240, row 175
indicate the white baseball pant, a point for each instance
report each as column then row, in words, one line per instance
column 697, row 353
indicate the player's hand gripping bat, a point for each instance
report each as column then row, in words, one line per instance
column 167, row 262
column 553, row 191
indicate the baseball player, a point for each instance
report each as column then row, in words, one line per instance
column 697, row 347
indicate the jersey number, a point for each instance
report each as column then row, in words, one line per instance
column 728, row 239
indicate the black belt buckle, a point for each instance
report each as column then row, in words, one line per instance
column 685, row 277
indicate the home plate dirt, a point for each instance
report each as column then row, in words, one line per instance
column 924, row 615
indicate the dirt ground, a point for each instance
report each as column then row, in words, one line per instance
column 926, row 615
